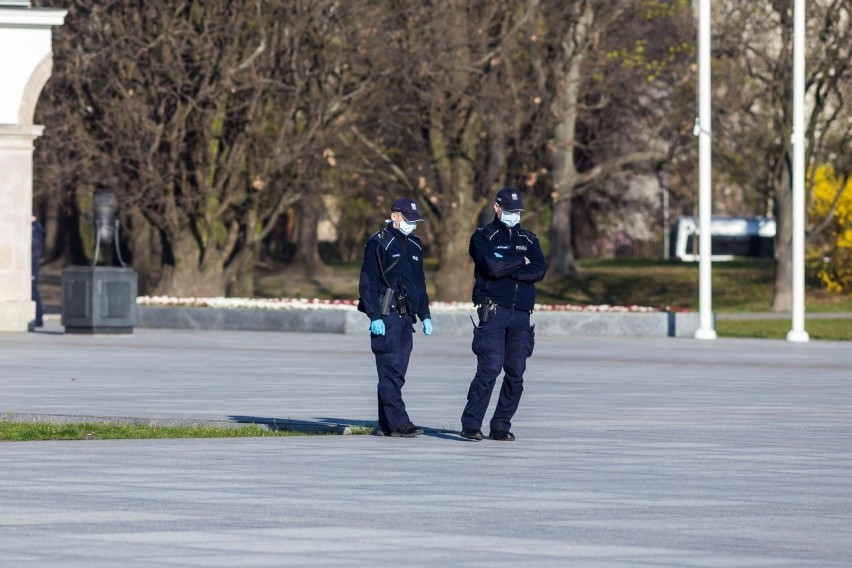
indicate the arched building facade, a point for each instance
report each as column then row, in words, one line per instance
column 26, row 62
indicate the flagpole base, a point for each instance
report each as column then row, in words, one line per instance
column 796, row 336
column 705, row 333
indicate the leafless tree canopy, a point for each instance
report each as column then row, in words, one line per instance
column 232, row 128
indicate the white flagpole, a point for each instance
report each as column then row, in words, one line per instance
column 798, row 333
column 703, row 129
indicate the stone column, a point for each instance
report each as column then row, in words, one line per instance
column 16, row 202
column 26, row 61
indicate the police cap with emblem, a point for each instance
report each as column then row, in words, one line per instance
column 509, row 199
column 408, row 208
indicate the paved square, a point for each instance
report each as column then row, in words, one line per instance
column 639, row 452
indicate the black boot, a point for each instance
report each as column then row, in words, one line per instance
column 471, row 434
column 407, row 431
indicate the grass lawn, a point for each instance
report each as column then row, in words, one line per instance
column 738, row 286
column 832, row 329
column 29, row 431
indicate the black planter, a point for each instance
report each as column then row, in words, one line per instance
column 99, row 299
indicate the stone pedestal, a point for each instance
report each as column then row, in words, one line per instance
column 26, row 61
column 99, row 299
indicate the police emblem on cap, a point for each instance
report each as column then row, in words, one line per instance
column 509, row 198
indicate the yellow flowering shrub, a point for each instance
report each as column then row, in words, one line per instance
column 832, row 253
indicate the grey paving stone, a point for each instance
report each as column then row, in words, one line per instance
column 630, row 452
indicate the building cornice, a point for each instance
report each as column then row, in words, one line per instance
column 31, row 17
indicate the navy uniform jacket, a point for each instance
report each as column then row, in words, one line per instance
column 501, row 273
column 407, row 254
column 37, row 244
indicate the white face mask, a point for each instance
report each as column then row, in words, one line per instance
column 406, row 228
column 511, row 218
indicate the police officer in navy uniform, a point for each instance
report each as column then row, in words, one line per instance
column 393, row 294
column 508, row 262
column 37, row 250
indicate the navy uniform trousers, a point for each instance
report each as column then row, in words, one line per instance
column 392, row 351
column 504, row 342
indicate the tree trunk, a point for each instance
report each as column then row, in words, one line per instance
column 456, row 171
column 454, row 278
column 242, row 285
column 307, row 258
column 454, row 128
column 75, row 252
column 145, row 247
column 583, row 228
column 565, row 175
column 54, row 243
column 84, row 233
column 184, row 277
column 782, row 298
column 562, row 261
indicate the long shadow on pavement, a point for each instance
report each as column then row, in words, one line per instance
column 328, row 423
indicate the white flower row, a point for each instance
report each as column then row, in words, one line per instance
column 318, row 304
column 250, row 303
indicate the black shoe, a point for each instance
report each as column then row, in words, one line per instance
column 381, row 432
column 407, row 431
column 471, row 434
column 502, row 436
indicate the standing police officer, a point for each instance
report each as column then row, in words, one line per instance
column 508, row 262
column 393, row 294
column 37, row 250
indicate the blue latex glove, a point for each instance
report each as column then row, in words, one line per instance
column 427, row 326
column 377, row 327
column 498, row 255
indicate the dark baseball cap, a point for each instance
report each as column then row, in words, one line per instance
column 408, row 208
column 509, row 199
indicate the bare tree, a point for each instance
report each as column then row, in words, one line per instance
column 606, row 73
column 756, row 114
column 438, row 101
column 202, row 116
column 211, row 118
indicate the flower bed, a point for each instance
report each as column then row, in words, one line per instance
column 451, row 318
column 317, row 304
